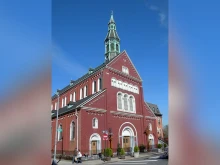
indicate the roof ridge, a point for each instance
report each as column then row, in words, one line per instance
column 80, row 79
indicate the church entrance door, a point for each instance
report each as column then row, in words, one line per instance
column 94, row 147
column 126, row 143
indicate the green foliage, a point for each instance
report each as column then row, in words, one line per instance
column 159, row 146
column 108, row 152
column 122, row 152
column 118, row 148
column 165, row 145
column 136, row 149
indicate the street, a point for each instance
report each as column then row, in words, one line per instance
column 149, row 159
column 143, row 161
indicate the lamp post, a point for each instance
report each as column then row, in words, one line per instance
column 55, row 148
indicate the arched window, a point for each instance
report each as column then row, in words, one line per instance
column 71, row 97
column 95, row 123
column 74, row 96
column 95, row 87
column 119, row 98
column 150, row 127
column 126, row 102
column 72, row 130
column 107, row 48
column 117, row 47
column 56, row 106
column 62, row 102
column 60, row 132
column 112, row 47
column 99, row 84
column 85, row 91
column 65, row 101
column 81, row 93
column 131, row 105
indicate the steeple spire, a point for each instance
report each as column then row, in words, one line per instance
column 112, row 19
column 112, row 40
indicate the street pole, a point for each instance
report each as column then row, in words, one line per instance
column 62, row 145
column 55, row 148
column 77, row 133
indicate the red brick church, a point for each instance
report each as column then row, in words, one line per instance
column 108, row 99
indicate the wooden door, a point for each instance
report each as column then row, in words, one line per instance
column 94, row 147
column 126, row 143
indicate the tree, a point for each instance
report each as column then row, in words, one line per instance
column 166, row 133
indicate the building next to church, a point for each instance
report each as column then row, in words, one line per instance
column 157, row 113
column 107, row 98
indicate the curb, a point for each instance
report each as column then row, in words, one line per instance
column 147, row 157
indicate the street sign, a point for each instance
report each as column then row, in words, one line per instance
column 60, row 130
column 105, row 137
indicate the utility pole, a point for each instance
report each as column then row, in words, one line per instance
column 55, row 148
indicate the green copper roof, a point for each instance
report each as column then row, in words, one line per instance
column 112, row 19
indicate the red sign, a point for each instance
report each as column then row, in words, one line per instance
column 105, row 137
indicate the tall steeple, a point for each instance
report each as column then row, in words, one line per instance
column 112, row 40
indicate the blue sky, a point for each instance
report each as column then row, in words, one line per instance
column 198, row 32
column 25, row 41
column 79, row 29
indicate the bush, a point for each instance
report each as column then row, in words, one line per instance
column 122, row 152
column 108, row 152
column 165, row 145
column 142, row 148
column 136, row 149
column 118, row 148
column 159, row 146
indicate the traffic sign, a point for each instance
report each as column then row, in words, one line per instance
column 105, row 137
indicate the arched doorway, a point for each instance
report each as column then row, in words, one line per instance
column 151, row 140
column 128, row 137
column 95, row 144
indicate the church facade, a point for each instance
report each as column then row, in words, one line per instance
column 108, row 100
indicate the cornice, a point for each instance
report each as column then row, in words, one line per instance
column 98, row 110
column 149, row 117
column 126, row 114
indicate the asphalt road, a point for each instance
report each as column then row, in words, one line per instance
column 143, row 161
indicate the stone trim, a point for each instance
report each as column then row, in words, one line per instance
column 149, row 117
column 123, row 74
column 125, row 114
column 88, row 109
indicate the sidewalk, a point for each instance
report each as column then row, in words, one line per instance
column 98, row 162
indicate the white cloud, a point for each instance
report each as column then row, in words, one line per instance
column 162, row 14
column 61, row 60
column 162, row 18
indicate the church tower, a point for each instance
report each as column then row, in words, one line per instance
column 112, row 41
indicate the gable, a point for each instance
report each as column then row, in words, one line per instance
column 148, row 111
column 97, row 102
column 123, row 60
